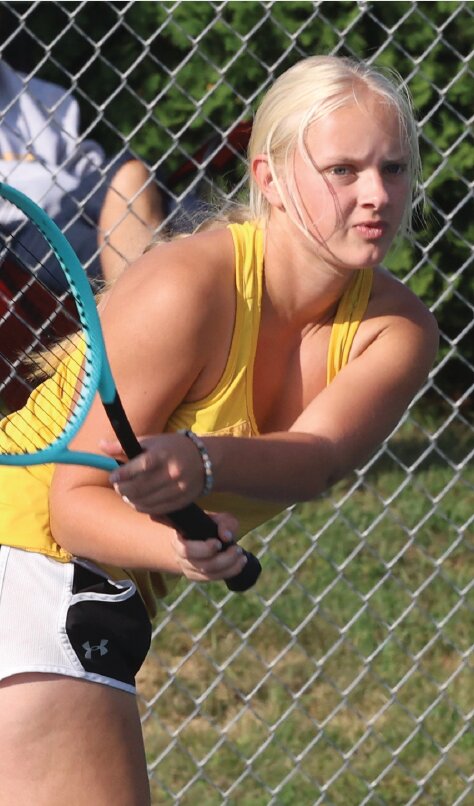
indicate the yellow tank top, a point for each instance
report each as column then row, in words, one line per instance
column 227, row 410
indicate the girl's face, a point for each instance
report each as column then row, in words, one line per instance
column 352, row 186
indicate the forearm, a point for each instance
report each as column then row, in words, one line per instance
column 94, row 522
column 283, row 467
column 286, row 467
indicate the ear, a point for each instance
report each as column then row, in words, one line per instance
column 263, row 176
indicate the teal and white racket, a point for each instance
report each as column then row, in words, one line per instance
column 36, row 313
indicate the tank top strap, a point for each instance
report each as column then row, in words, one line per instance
column 248, row 244
column 349, row 315
column 249, row 252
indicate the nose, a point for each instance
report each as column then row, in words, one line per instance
column 372, row 189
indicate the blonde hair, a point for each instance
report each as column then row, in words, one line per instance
column 309, row 91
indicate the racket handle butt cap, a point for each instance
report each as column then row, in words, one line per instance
column 247, row 577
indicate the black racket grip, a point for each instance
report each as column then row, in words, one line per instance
column 194, row 523
column 191, row 521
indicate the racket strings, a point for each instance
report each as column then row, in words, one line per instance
column 48, row 409
column 49, row 406
column 30, row 278
column 42, row 349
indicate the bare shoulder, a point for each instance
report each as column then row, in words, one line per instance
column 170, row 315
column 392, row 296
column 189, row 277
column 189, row 263
column 396, row 313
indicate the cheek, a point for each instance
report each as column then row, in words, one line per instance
column 404, row 192
column 400, row 198
column 399, row 187
column 320, row 204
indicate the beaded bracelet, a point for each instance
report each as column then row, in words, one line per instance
column 205, row 459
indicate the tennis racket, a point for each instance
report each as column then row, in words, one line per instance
column 34, row 314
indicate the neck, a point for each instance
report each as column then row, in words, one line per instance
column 300, row 288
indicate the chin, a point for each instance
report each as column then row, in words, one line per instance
column 364, row 262
column 356, row 256
column 370, row 256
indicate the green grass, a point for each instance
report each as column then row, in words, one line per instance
column 345, row 679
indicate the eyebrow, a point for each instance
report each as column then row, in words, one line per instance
column 345, row 159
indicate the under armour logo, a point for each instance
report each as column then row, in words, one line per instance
column 102, row 648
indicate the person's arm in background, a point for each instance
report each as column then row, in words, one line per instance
column 133, row 210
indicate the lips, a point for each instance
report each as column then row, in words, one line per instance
column 371, row 229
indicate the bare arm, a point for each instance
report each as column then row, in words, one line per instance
column 342, row 426
column 152, row 331
column 339, row 429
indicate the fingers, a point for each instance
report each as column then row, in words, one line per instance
column 131, row 469
column 167, row 476
column 204, row 560
column 227, row 526
column 152, row 484
column 148, row 461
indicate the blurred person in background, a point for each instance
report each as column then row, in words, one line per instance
column 108, row 208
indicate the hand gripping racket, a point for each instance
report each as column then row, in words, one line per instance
column 34, row 314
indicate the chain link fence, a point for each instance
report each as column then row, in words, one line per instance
column 346, row 677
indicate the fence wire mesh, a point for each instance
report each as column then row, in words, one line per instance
column 346, row 677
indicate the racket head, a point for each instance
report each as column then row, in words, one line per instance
column 45, row 295
column 36, row 309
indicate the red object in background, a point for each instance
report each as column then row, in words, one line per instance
column 30, row 316
column 235, row 142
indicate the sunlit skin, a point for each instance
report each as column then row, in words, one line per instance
column 173, row 347
column 352, row 185
column 352, row 196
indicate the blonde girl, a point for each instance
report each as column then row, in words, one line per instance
column 283, row 344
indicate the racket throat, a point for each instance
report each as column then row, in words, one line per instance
column 122, row 428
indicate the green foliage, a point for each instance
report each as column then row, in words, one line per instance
column 191, row 69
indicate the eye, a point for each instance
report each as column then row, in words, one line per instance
column 340, row 170
column 395, row 168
